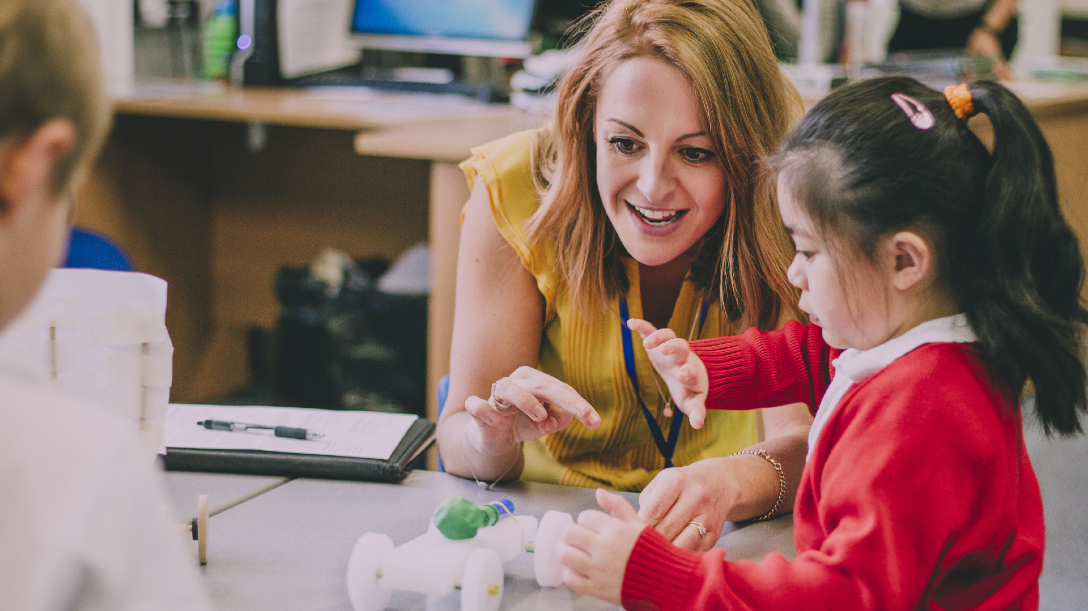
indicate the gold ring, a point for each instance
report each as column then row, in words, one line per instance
column 699, row 527
column 497, row 402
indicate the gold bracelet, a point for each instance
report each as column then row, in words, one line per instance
column 781, row 482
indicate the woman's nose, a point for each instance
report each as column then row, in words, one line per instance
column 655, row 180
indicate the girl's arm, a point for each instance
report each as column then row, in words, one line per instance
column 922, row 496
column 497, row 328
column 767, row 368
column 743, row 486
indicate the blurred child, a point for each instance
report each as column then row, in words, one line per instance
column 939, row 280
column 83, row 516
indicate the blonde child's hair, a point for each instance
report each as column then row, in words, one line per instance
column 50, row 69
column 723, row 48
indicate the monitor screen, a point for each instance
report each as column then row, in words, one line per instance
column 496, row 28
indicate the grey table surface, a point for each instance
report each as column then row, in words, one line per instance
column 288, row 548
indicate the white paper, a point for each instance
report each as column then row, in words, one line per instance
column 346, row 433
column 102, row 336
column 313, row 36
column 112, row 21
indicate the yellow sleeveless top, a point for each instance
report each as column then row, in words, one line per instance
column 587, row 353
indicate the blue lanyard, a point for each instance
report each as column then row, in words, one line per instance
column 666, row 447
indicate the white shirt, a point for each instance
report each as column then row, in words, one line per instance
column 84, row 521
column 856, row 366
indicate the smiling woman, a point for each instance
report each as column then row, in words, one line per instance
column 644, row 199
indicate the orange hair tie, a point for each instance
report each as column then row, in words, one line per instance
column 959, row 98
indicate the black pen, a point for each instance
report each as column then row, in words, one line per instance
column 279, row 431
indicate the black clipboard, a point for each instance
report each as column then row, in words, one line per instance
column 283, row 464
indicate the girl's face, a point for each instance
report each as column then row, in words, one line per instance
column 843, row 294
column 659, row 179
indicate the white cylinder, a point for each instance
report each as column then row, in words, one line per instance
column 809, row 48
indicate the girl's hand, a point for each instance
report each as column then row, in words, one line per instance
column 679, row 496
column 596, row 549
column 525, row 405
column 683, row 372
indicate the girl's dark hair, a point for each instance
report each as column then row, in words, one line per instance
column 862, row 170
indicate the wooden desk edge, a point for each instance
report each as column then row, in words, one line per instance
column 240, row 110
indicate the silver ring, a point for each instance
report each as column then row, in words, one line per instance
column 497, row 402
column 699, row 527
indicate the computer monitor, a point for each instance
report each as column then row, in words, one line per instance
column 488, row 28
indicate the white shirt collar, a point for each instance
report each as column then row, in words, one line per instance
column 854, row 366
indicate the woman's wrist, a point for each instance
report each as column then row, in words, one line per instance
column 747, row 490
column 489, row 463
column 781, row 481
column 494, row 449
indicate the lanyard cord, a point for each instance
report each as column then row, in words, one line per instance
column 666, row 447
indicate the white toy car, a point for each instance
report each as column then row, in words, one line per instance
column 432, row 563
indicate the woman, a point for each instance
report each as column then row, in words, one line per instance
column 644, row 199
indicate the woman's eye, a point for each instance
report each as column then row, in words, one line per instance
column 807, row 254
column 623, row 146
column 696, row 155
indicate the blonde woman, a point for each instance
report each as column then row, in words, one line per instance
column 644, row 199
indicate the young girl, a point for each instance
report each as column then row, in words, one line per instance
column 939, row 280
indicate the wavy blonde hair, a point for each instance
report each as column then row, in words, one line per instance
column 50, row 69
column 748, row 105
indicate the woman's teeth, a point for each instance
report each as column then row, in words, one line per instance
column 657, row 217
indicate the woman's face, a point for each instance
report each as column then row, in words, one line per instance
column 659, row 178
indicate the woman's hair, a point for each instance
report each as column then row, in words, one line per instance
column 862, row 170
column 50, row 69
column 723, row 49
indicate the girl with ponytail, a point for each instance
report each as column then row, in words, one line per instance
column 943, row 284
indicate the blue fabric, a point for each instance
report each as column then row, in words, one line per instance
column 87, row 249
column 443, row 391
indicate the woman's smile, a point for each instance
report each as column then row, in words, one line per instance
column 655, row 222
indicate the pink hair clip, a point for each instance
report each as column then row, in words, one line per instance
column 918, row 114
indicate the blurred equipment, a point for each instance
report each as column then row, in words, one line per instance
column 345, row 340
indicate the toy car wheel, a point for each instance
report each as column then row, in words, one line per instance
column 482, row 581
column 553, row 527
column 365, row 589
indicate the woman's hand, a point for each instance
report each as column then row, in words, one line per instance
column 743, row 486
column 526, row 405
column 985, row 43
column 696, row 493
column 683, row 372
column 596, row 549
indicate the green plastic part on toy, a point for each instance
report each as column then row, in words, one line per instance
column 459, row 519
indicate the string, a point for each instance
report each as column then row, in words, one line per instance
column 484, row 485
column 513, row 518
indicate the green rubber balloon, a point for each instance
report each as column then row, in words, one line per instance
column 459, row 519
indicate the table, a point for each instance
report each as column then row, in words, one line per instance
column 289, row 548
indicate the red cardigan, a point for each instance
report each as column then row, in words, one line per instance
column 918, row 495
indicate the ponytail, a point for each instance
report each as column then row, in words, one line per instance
column 864, row 167
column 1023, row 292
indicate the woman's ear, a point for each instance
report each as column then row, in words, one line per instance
column 26, row 164
column 911, row 259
